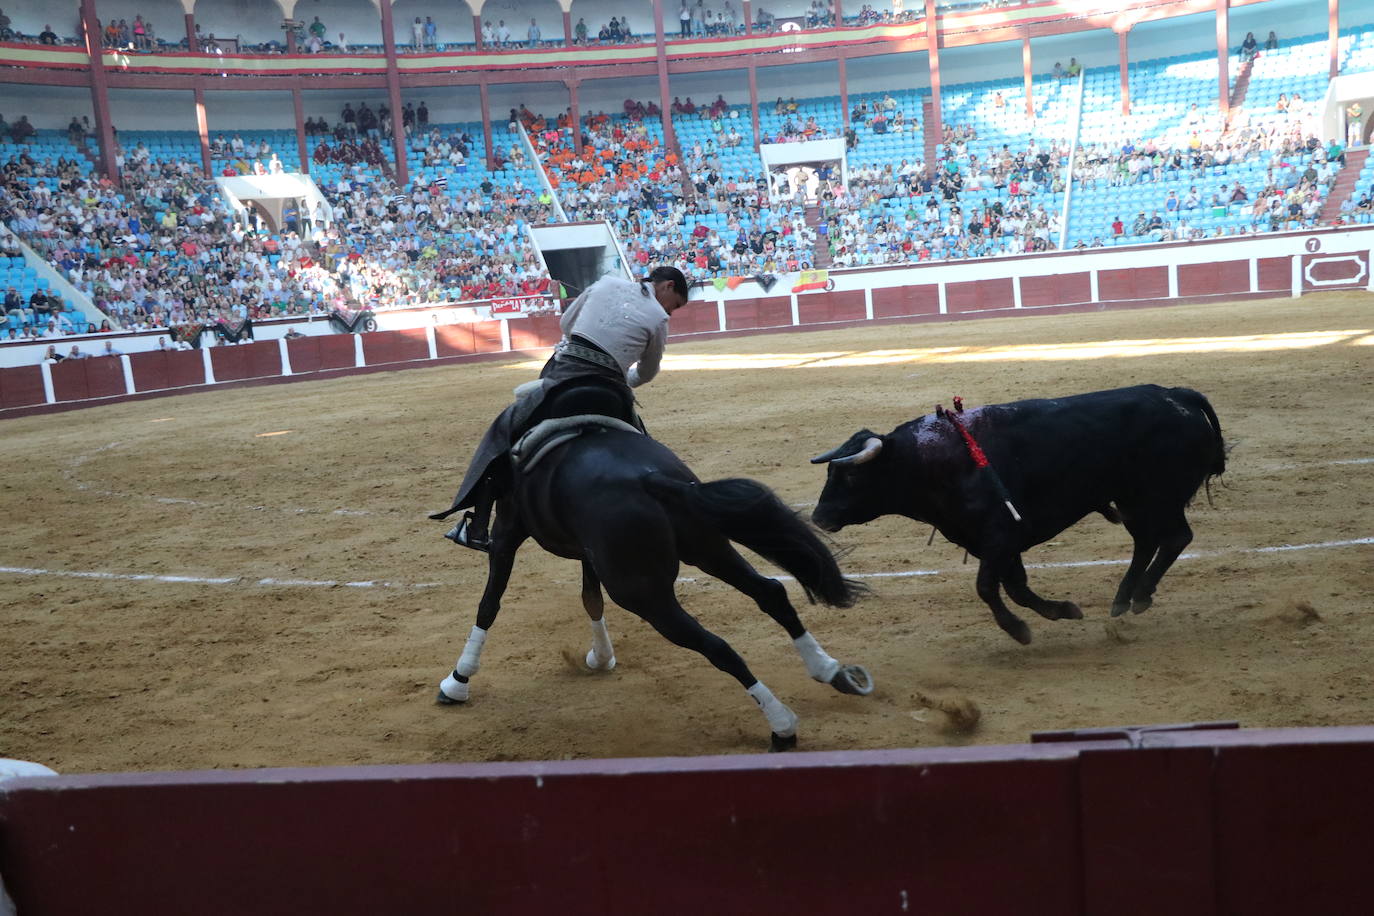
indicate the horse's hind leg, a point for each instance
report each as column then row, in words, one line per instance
column 662, row 611
column 728, row 566
column 601, row 656
column 507, row 536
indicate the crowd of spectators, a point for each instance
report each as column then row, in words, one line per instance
column 161, row 249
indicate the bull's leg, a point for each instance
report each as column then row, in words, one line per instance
column 726, row 564
column 658, row 606
column 1145, row 547
column 601, row 656
column 1014, row 581
column 507, row 536
column 1171, row 543
column 989, row 582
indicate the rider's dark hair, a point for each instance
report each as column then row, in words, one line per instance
column 671, row 274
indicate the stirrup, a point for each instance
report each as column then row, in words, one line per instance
column 463, row 535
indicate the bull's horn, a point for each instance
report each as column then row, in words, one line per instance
column 872, row 446
column 828, row 456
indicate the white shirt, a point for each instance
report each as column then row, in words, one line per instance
column 618, row 317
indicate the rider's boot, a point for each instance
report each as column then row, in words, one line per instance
column 471, row 532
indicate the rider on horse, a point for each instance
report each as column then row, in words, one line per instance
column 613, row 339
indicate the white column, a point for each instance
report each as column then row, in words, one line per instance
column 128, row 374
column 208, row 363
column 285, row 356
column 359, row 359
column 796, row 316
column 1016, row 292
column 1297, row 276
column 1254, row 275
column 1092, row 286
column 45, row 368
column 432, row 341
column 1173, row 281
column 720, row 314
column 868, row 302
column 944, row 308
column 505, row 335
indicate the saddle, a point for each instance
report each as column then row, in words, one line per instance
column 544, row 437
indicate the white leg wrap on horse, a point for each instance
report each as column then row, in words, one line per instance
column 819, row 665
column 454, row 689
column 781, row 720
column 471, row 659
column 602, row 655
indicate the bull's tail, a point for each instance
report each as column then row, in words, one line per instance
column 749, row 513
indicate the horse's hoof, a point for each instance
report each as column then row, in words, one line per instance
column 592, row 663
column 1070, row 611
column 1141, row 605
column 1120, row 608
column 854, row 680
column 1018, row 631
column 444, row 699
column 778, row 743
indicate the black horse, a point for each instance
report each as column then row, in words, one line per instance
column 632, row 511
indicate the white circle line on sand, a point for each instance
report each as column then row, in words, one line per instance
column 209, row 580
column 1076, row 564
column 375, row 583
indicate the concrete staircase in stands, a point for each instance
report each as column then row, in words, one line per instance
column 931, row 140
column 1344, row 185
column 1239, row 90
column 820, row 257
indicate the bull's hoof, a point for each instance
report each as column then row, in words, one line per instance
column 1141, row 605
column 854, row 680
column 1018, row 631
column 444, row 699
column 777, row 743
column 1120, row 608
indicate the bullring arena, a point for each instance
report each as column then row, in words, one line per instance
column 251, row 335
column 329, row 482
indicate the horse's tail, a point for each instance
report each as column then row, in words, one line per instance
column 749, row 513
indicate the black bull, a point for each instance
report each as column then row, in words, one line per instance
column 1137, row 455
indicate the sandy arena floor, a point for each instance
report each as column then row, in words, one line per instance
column 332, row 480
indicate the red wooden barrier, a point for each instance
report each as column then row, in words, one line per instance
column 1133, row 283
column 1327, row 270
column 535, row 333
column 1061, row 289
column 21, row 386
column 1275, row 274
column 156, row 370
column 694, row 317
column 979, row 295
column 820, row 307
column 399, row 346
column 329, row 351
column 1215, row 279
column 69, row 380
column 906, row 301
column 766, row 312
column 255, row 360
column 1124, row 822
column 104, row 376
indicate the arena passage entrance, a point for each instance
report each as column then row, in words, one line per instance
column 785, row 163
column 274, row 200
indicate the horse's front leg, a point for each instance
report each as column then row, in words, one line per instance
column 507, row 536
column 601, row 656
